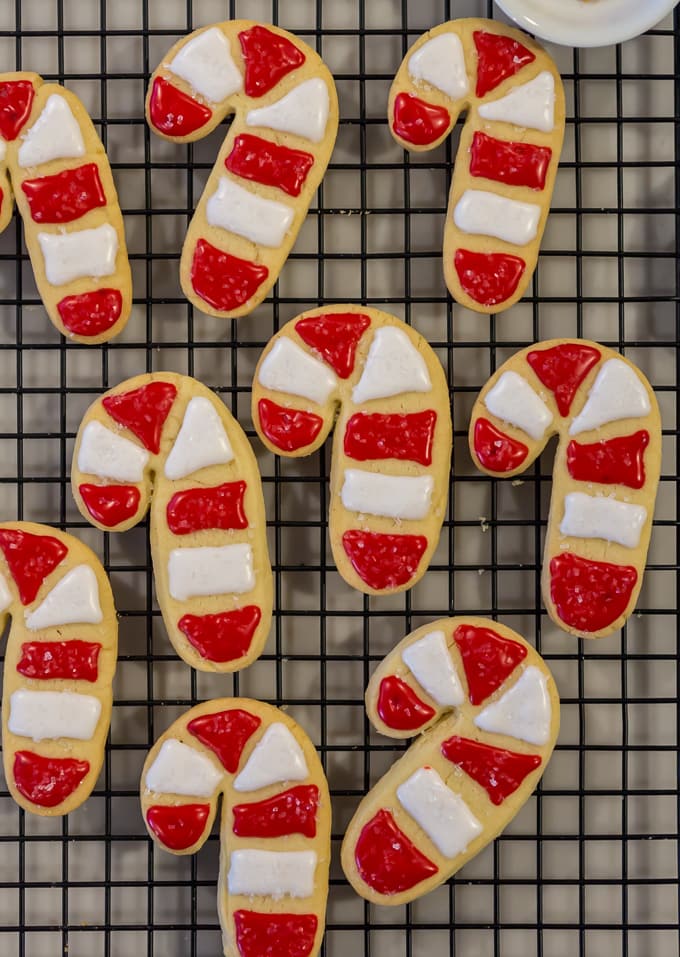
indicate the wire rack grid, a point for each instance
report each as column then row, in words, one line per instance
column 590, row 865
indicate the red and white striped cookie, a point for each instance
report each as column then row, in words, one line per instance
column 605, row 476
column 490, row 713
column 165, row 440
column 59, row 665
column 392, row 443
column 273, row 158
column 508, row 154
column 275, row 825
column 64, row 190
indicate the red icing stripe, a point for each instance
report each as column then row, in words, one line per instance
column 387, row 860
column 488, row 278
column 498, row 57
column 225, row 636
column 504, row 161
column 16, row 100
column 495, row 450
column 400, row 707
column 418, row 122
column 618, row 461
column 407, row 437
column 196, row 509
column 488, row 659
column 65, row 196
column 274, row 935
column 562, row 369
column 288, row 429
column 178, row 827
column 47, row 782
column 589, row 595
column 384, row 561
column 73, row 659
column 224, row 281
column 226, row 733
column 110, row 505
column 91, row 313
column 173, row 112
column 269, row 163
column 268, row 57
column 143, row 411
column 31, row 558
column 335, row 337
column 291, row 812
column 498, row 771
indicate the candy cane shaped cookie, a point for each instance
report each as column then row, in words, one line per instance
column 165, row 439
column 59, row 665
column 392, row 443
column 489, row 712
column 508, row 154
column 605, row 476
column 64, row 189
column 270, row 164
column 275, row 824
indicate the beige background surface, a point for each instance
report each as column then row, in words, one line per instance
column 598, row 847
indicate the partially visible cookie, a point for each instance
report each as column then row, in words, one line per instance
column 165, row 440
column 272, row 160
column 380, row 385
column 73, row 226
column 60, row 660
column 508, row 153
column 489, row 713
column 275, row 824
column 605, row 476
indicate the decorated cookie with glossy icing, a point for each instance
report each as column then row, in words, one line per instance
column 508, row 154
column 61, row 180
column 605, row 476
column 166, row 441
column 275, row 822
column 60, row 659
column 380, row 385
column 272, row 160
column 487, row 711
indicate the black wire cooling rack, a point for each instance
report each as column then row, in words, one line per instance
column 590, row 865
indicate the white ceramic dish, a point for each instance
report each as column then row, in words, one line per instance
column 596, row 23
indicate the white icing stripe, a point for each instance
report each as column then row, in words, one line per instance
column 273, row 874
column 53, row 714
column 180, row 769
column 201, row 441
column 288, row 368
column 489, row 214
column 263, row 221
column 82, row 253
column 111, row 456
column 430, row 663
column 5, row 594
column 513, row 400
column 443, row 815
column 393, row 367
column 531, row 105
column 394, row 496
column 224, row 570
column 523, row 712
column 303, row 111
column 590, row 516
column 3, row 149
column 207, row 65
column 74, row 600
column 441, row 62
column 54, row 135
column 276, row 757
column 617, row 393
